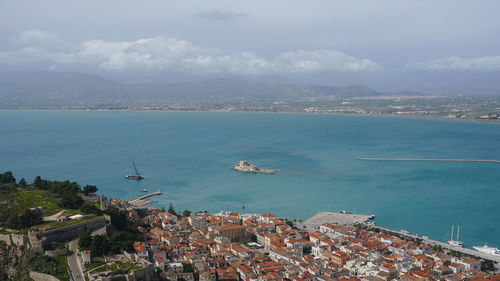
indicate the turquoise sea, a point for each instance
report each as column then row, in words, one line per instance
column 188, row 156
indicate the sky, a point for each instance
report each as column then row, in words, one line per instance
column 389, row 45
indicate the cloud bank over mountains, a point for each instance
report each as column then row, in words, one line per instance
column 458, row 63
column 163, row 53
column 387, row 45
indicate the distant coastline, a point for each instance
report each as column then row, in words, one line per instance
column 406, row 116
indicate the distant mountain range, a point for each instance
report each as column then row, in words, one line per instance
column 59, row 88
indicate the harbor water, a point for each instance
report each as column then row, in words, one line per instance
column 189, row 155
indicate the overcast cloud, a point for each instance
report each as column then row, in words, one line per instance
column 161, row 53
column 221, row 15
column 367, row 42
column 458, row 63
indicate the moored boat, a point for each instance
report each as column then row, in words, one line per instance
column 487, row 250
column 137, row 176
column 457, row 242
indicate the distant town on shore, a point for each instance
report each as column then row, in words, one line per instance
column 77, row 91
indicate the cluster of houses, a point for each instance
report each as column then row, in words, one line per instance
column 251, row 247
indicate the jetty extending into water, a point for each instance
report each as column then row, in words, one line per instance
column 142, row 200
column 430, row 159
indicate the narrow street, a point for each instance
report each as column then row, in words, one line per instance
column 76, row 271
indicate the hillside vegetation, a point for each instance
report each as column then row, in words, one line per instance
column 24, row 205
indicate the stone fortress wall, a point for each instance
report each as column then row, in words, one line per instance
column 14, row 239
column 39, row 240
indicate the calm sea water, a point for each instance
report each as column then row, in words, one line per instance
column 188, row 156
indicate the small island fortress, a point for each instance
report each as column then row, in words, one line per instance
column 244, row 166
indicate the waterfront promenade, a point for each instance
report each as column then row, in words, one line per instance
column 444, row 245
column 312, row 224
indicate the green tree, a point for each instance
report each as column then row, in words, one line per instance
column 187, row 267
column 186, row 213
column 22, row 182
column 99, row 245
column 89, row 189
column 71, row 201
column 42, row 263
column 85, row 239
column 171, row 209
column 487, row 265
column 119, row 219
column 7, row 177
column 26, row 219
column 33, row 217
column 90, row 208
column 38, row 182
column 121, row 241
column 13, row 221
column 4, row 216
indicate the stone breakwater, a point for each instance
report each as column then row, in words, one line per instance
column 430, row 160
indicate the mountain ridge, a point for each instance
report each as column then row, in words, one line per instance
column 31, row 88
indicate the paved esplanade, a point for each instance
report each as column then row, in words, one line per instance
column 320, row 218
column 431, row 242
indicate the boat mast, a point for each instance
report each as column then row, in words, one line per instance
column 458, row 233
column 453, row 226
column 135, row 168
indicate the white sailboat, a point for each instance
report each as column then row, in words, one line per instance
column 455, row 242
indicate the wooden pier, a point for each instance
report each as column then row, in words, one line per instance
column 430, row 160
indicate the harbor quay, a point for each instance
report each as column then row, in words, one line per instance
column 444, row 245
column 313, row 223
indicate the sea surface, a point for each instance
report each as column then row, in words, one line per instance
column 189, row 155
